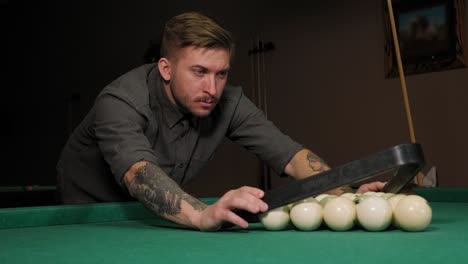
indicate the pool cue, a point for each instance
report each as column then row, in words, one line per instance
column 263, row 89
column 402, row 81
column 263, row 94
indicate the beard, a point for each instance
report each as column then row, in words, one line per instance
column 188, row 105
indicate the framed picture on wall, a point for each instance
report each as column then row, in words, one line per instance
column 430, row 34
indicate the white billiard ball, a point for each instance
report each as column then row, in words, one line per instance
column 393, row 203
column 321, row 196
column 395, row 199
column 388, row 195
column 374, row 213
column 326, row 199
column 339, row 214
column 305, row 200
column 413, row 213
column 351, row 196
column 307, row 216
column 361, row 198
column 275, row 219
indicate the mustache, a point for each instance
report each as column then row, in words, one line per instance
column 207, row 99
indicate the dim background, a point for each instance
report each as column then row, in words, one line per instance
column 326, row 83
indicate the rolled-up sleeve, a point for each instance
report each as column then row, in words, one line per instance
column 250, row 128
column 119, row 130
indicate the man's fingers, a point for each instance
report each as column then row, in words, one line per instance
column 246, row 202
column 252, row 190
column 373, row 186
column 245, row 198
column 381, row 185
column 235, row 219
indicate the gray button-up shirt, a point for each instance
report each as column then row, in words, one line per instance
column 133, row 120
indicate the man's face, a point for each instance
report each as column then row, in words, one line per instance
column 197, row 79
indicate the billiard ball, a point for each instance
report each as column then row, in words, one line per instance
column 393, row 202
column 275, row 219
column 305, row 200
column 307, row 216
column 351, row 196
column 374, row 213
column 395, row 199
column 413, row 213
column 388, row 195
column 328, row 198
column 321, row 196
column 339, row 214
column 361, row 198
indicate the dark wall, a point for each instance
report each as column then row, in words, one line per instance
column 327, row 87
column 35, row 105
column 60, row 55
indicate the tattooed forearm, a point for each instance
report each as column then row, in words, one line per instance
column 316, row 163
column 158, row 192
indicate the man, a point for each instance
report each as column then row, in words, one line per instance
column 155, row 127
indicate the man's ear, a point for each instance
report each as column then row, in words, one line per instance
column 164, row 66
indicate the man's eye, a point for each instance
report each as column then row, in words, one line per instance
column 199, row 72
column 222, row 74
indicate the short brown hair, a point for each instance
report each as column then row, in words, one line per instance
column 194, row 29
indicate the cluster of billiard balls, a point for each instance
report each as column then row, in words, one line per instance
column 373, row 211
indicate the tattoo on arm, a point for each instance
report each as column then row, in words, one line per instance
column 160, row 193
column 315, row 162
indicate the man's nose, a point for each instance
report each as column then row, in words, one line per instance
column 210, row 85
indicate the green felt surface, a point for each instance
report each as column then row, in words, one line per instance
column 124, row 233
column 443, row 194
column 76, row 214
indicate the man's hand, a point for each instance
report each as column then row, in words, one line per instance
column 373, row 186
column 245, row 198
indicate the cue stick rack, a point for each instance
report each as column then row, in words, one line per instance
column 258, row 54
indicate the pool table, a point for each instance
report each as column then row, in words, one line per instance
column 128, row 233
